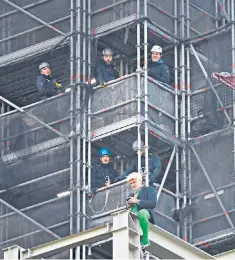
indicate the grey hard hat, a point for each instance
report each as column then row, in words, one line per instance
column 135, row 145
column 43, row 65
column 107, row 51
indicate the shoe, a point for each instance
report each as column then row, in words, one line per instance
column 144, row 245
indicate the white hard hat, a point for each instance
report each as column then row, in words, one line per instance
column 135, row 145
column 156, row 48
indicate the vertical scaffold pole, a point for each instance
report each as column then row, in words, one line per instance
column 216, row 14
column 71, row 212
column 183, row 114
column 84, row 168
column 146, row 93
column 176, row 78
column 2, row 128
column 78, row 117
column 89, row 101
column 233, row 71
column 188, row 111
column 138, row 47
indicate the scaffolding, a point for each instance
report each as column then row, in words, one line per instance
column 187, row 124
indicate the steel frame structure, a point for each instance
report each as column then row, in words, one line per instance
column 80, row 64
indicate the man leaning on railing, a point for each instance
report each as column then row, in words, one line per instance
column 157, row 68
column 103, row 172
column 47, row 85
column 105, row 70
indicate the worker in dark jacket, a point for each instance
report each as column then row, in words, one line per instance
column 142, row 203
column 157, row 68
column 154, row 165
column 103, row 172
column 47, row 86
column 104, row 70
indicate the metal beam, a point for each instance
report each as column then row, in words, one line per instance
column 227, row 255
column 164, row 245
column 125, row 231
column 34, row 17
column 82, row 238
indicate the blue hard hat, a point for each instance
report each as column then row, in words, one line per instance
column 104, row 151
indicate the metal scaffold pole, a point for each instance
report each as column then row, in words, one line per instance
column 233, row 71
column 89, row 99
column 78, row 121
column 72, row 90
column 146, row 94
column 183, row 112
column 176, row 85
column 188, row 112
column 84, row 117
column 138, row 47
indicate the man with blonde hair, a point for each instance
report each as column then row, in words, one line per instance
column 142, row 203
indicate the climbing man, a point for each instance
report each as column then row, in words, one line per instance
column 47, row 85
column 158, row 69
column 154, row 164
column 105, row 70
column 142, row 203
column 103, row 172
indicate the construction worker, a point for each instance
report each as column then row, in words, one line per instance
column 104, row 70
column 157, row 68
column 154, row 164
column 103, row 172
column 142, row 203
column 47, row 85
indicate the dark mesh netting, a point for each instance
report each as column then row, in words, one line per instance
column 118, row 102
column 22, row 135
column 207, row 114
column 15, row 229
column 115, row 198
column 156, row 13
column 24, row 31
column 102, row 16
column 31, row 178
column 199, row 20
column 216, row 155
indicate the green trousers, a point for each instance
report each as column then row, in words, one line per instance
column 144, row 216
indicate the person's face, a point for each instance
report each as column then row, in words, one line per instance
column 105, row 159
column 46, row 71
column 135, row 183
column 108, row 58
column 156, row 56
